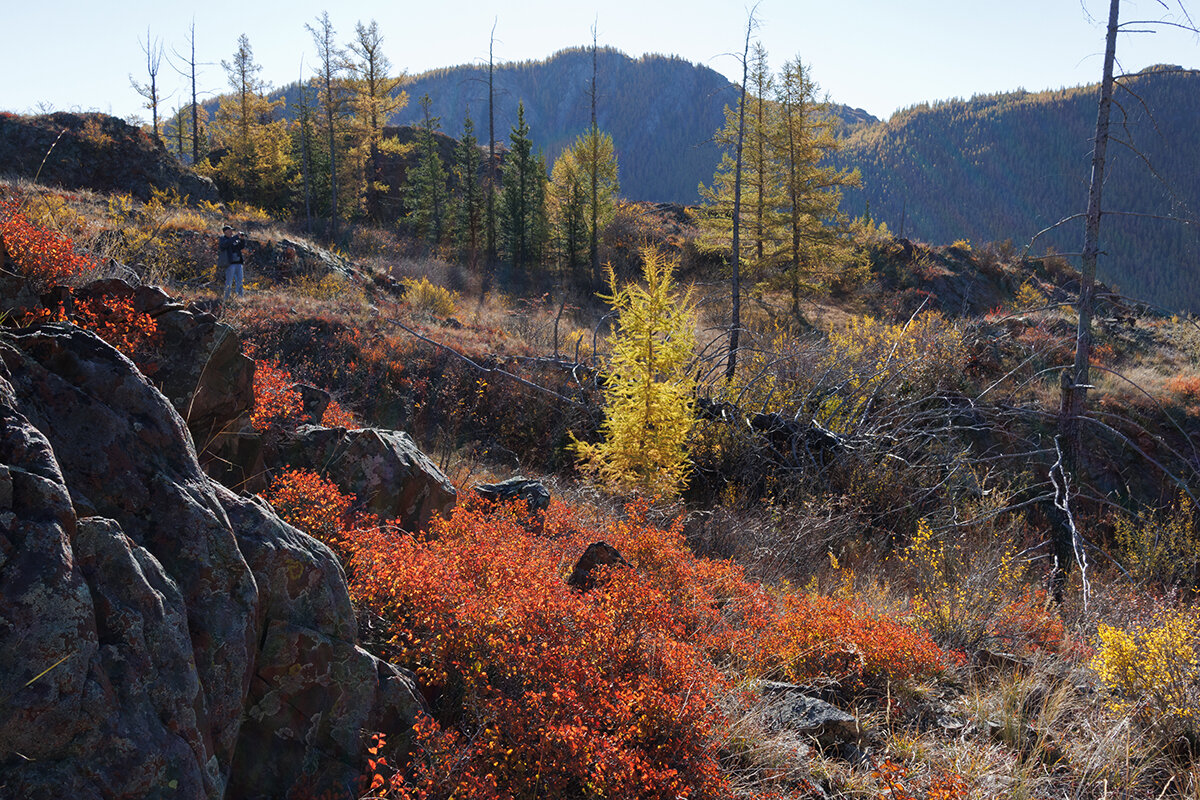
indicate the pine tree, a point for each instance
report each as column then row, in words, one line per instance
column 648, row 394
column 523, row 199
column 470, row 202
column 426, row 194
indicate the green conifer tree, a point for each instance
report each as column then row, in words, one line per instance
column 470, row 201
column 426, row 192
column 523, row 199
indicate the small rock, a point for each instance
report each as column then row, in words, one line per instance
column 794, row 710
column 598, row 554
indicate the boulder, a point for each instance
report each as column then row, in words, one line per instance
column 518, row 487
column 158, row 633
column 597, row 554
column 789, row 708
column 385, row 469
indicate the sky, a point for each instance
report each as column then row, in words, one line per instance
column 879, row 55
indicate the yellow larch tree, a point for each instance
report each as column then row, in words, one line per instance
column 649, row 389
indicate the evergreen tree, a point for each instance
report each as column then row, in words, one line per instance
column 257, row 163
column 523, row 199
column 649, row 387
column 331, row 97
column 470, row 201
column 426, row 194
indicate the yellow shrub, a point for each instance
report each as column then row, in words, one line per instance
column 331, row 286
column 423, row 296
column 1028, row 298
column 959, row 591
column 884, row 360
column 1162, row 547
column 1153, row 671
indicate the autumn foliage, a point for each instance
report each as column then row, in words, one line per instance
column 42, row 256
column 540, row 690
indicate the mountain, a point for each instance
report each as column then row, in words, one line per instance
column 1007, row 166
column 661, row 111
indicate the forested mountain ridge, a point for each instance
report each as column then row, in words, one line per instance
column 661, row 111
column 1007, row 166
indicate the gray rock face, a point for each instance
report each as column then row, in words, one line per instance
column 790, row 708
column 384, row 468
column 182, row 641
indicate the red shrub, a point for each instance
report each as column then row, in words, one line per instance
column 115, row 321
column 43, row 256
column 277, row 404
column 610, row 693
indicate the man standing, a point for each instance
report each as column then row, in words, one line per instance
column 229, row 255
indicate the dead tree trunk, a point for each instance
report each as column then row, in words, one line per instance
column 1076, row 381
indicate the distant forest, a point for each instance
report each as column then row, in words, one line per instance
column 1007, row 166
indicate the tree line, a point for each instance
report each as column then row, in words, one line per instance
column 330, row 159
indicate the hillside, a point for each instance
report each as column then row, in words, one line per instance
column 247, row 548
column 1006, row 166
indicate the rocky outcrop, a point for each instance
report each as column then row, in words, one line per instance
column 160, row 635
column 386, row 469
column 95, row 151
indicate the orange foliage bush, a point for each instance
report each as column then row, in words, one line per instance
column 894, row 777
column 823, row 637
column 309, row 502
column 276, row 403
column 115, row 320
column 610, row 693
column 41, row 255
column 337, row 417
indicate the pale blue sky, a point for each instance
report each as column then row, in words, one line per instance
column 880, row 55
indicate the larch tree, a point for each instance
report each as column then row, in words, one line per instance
column 759, row 214
column 812, row 230
column 583, row 191
column 566, row 205
column 375, row 95
column 648, row 392
column 331, row 97
column 257, row 161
